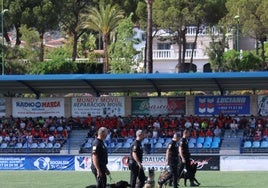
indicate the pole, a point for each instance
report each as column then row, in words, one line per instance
column 237, row 32
column 3, row 53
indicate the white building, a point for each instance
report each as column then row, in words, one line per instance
column 165, row 53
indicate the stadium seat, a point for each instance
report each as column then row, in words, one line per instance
column 119, row 145
column 34, row 145
column 87, row 145
column 191, row 145
column 199, row 145
column 192, row 140
column 264, row 144
column 57, row 145
column 126, row 145
column 256, row 144
column 200, row 140
column 129, row 140
column 41, row 145
column 158, row 145
column 207, row 145
column 216, row 139
column 161, row 140
column 247, row 144
column 208, row 139
column 215, row 145
column 49, row 145
column 18, row 145
column 4, row 145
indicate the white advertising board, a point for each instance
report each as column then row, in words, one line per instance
column 45, row 107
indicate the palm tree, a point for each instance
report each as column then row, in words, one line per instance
column 104, row 19
column 149, row 38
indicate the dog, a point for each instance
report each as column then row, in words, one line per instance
column 150, row 183
column 191, row 175
column 119, row 184
column 163, row 178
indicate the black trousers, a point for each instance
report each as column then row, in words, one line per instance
column 136, row 172
column 174, row 172
column 100, row 181
column 187, row 166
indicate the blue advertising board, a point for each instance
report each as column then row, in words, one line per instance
column 213, row 105
column 37, row 163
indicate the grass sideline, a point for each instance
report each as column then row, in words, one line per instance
column 71, row 179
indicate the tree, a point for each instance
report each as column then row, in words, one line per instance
column 70, row 20
column 174, row 16
column 43, row 15
column 103, row 19
column 253, row 18
column 149, row 37
column 122, row 50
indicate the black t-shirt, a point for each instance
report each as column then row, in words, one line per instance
column 136, row 147
column 100, row 150
column 185, row 148
column 173, row 153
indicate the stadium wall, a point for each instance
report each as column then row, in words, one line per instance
column 119, row 162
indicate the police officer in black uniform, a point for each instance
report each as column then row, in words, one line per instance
column 185, row 156
column 135, row 162
column 100, row 158
column 172, row 158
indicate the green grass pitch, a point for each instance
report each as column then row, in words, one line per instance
column 67, row 179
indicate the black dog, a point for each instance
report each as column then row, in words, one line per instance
column 189, row 175
column 119, row 184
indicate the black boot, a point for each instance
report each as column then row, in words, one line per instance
column 192, row 184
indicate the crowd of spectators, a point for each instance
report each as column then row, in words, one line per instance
column 254, row 127
column 57, row 129
column 26, row 131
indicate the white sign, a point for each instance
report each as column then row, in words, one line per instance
column 44, row 107
column 244, row 163
column 263, row 105
column 98, row 106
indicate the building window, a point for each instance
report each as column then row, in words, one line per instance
column 190, row 45
column 163, row 46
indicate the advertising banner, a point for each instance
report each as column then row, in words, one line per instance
column 2, row 107
column 37, row 163
column 231, row 105
column 83, row 163
column 98, row 106
column 30, row 107
column 156, row 105
column 263, row 105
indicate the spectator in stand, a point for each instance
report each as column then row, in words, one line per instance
column 196, row 124
column 257, row 135
column 243, row 122
column 155, row 133
column 201, row 133
column 265, row 133
column 131, row 133
column 188, row 124
column 156, row 124
column 204, row 124
column 252, row 121
column 124, row 133
column 249, row 134
column 194, row 133
column 209, row 132
column 88, row 122
column 234, row 127
column 217, row 131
